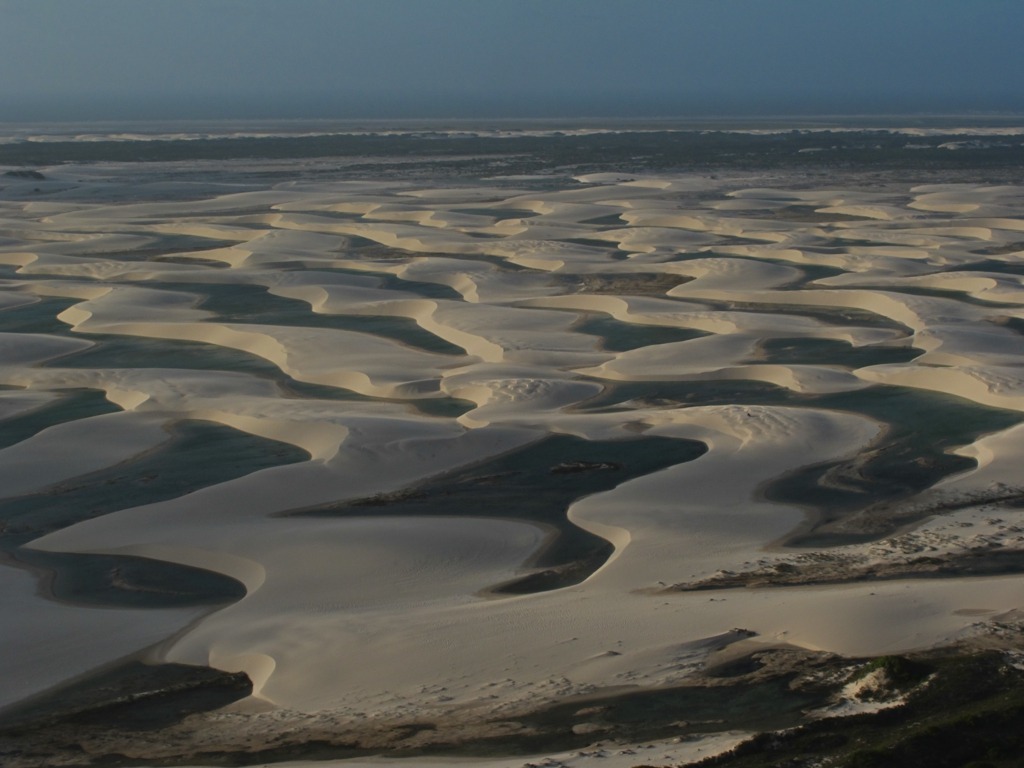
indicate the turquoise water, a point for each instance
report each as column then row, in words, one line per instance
column 255, row 304
column 199, row 454
column 911, row 456
column 618, row 336
column 161, row 244
column 113, row 351
column 71, row 404
column 799, row 351
column 141, row 352
column 536, row 483
column 499, row 214
column 39, row 317
column 624, row 395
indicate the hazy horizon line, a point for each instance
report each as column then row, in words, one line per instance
column 311, row 106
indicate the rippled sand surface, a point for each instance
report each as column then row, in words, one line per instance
column 303, row 386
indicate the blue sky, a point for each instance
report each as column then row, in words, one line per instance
column 438, row 58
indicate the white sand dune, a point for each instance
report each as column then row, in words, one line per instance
column 392, row 617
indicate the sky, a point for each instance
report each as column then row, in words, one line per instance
column 141, row 59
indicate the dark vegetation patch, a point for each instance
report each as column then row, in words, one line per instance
column 828, row 570
column 627, row 151
column 959, row 708
column 133, row 695
column 967, row 714
column 25, row 174
column 670, row 713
